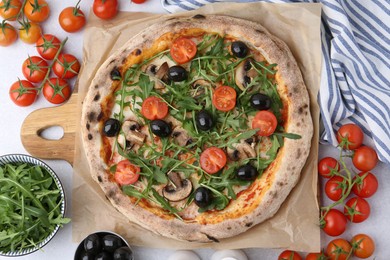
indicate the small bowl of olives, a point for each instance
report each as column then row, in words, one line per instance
column 103, row 245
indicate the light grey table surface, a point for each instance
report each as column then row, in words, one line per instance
column 62, row 247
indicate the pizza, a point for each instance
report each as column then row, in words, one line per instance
column 198, row 128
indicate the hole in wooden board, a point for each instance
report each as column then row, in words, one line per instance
column 52, row 133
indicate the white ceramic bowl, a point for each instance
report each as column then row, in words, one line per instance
column 21, row 158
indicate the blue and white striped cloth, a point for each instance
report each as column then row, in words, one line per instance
column 355, row 85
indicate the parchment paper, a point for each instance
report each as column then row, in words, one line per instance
column 295, row 225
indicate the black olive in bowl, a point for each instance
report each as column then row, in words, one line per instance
column 103, row 245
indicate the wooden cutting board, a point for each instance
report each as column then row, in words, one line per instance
column 39, row 120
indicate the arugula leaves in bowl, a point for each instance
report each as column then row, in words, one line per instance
column 32, row 204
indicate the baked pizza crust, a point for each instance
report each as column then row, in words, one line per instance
column 270, row 191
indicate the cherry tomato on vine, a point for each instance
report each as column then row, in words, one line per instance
column 138, row 1
column 154, row 108
column 357, row 209
column 30, row 32
column 334, row 187
column 23, row 93
column 35, row 69
column 183, row 50
column 72, row 19
column 363, row 246
column 266, row 122
column 126, row 173
column 326, row 165
column 56, row 90
column 289, row 255
column 67, row 66
column 366, row 184
column 212, row 160
column 316, row 256
column 47, row 46
column 9, row 9
column 351, row 133
column 338, row 249
column 365, row 158
column 224, row 98
column 8, row 34
column 335, row 223
column 105, row 9
column 37, row 10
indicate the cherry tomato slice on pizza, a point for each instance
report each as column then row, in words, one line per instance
column 183, row 50
column 266, row 121
column 154, row 108
column 126, row 173
column 212, row 160
column 224, row 98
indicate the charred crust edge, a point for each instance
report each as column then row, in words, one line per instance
column 97, row 97
column 199, row 16
column 211, row 238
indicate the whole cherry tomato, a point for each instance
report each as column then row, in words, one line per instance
column 105, row 9
column 8, row 34
column 47, row 46
column 224, row 98
column 326, row 165
column 30, row 32
column 289, row 255
column 365, row 158
column 72, row 19
column 9, row 9
column 56, row 90
column 357, row 209
column 335, row 187
column 363, row 246
column 366, row 185
column 335, row 223
column 67, row 66
column 183, row 50
column 350, row 136
column 23, row 93
column 212, row 160
column 126, row 173
column 138, row 1
column 338, row 249
column 35, row 69
column 37, row 10
column 266, row 122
